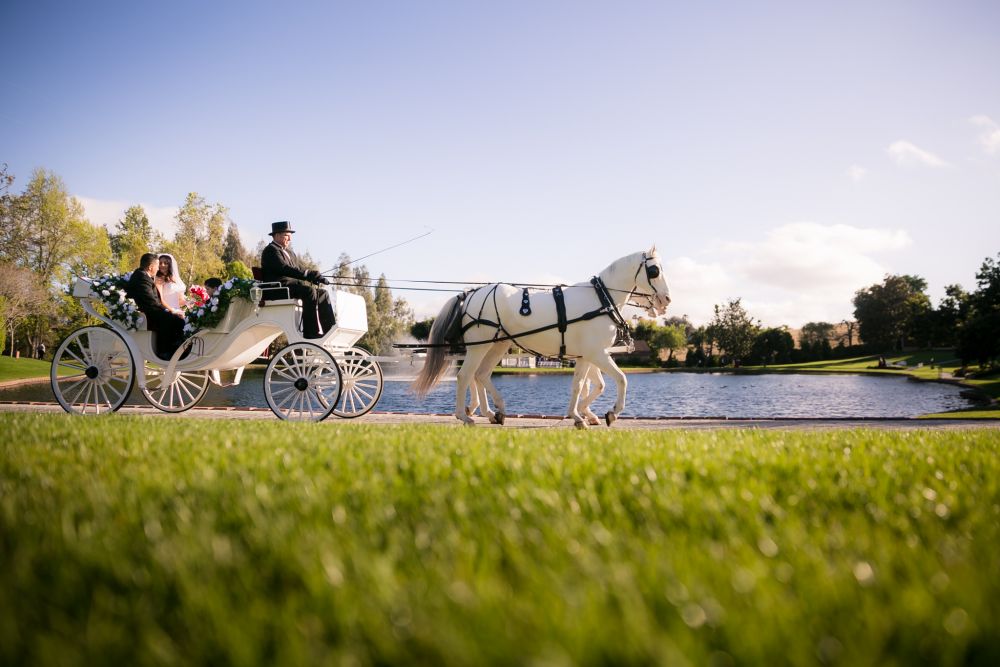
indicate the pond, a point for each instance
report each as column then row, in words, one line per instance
column 649, row 395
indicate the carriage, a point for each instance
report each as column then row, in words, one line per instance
column 95, row 368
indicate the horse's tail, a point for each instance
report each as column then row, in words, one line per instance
column 448, row 319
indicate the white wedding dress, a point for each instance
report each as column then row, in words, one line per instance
column 172, row 294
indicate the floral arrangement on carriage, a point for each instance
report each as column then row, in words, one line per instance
column 111, row 289
column 211, row 310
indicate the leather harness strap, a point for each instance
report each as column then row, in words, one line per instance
column 557, row 295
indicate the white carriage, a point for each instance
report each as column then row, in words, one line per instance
column 95, row 368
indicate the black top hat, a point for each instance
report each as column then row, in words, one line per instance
column 282, row 226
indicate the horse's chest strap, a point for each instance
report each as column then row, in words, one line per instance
column 557, row 295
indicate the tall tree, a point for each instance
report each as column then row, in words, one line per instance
column 734, row 329
column 233, row 249
column 773, row 345
column 133, row 236
column 200, row 237
column 670, row 337
column 887, row 312
column 979, row 337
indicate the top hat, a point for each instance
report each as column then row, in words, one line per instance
column 282, row 226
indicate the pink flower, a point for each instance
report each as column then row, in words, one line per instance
column 199, row 295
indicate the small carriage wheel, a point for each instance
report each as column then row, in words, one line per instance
column 302, row 383
column 362, row 383
column 182, row 394
column 102, row 371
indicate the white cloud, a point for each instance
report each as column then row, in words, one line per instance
column 905, row 153
column 797, row 273
column 109, row 212
column 856, row 172
column 990, row 136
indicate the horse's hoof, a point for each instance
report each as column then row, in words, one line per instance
column 610, row 417
column 593, row 420
column 468, row 411
column 499, row 418
column 471, row 422
column 580, row 424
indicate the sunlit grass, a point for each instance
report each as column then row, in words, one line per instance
column 18, row 369
column 129, row 540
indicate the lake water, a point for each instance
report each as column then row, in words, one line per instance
column 649, row 395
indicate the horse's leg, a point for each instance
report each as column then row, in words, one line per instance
column 465, row 379
column 605, row 363
column 470, row 409
column 596, row 381
column 486, row 367
column 576, row 387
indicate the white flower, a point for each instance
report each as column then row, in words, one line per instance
column 214, row 300
column 201, row 311
column 214, row 308
column 228, row 284
column 105, row 292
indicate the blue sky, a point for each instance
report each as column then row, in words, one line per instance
column 785, row 153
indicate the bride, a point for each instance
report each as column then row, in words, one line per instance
column 170, row 285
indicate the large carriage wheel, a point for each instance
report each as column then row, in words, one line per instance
column 362, row 383
column 102, row 371
column 302, row 383
column 182, row 394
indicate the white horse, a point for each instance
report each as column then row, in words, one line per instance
column 488, row 319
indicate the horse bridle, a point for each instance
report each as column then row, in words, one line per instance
column 652, row 272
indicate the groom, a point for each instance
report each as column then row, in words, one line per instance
column 280, row 265
column 169, row 327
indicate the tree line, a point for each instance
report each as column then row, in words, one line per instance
column 46, row 241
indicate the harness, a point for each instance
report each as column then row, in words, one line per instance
column 455, row 335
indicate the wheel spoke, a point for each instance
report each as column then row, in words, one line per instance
column 79, row 386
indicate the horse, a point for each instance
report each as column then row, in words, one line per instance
column 584, row 325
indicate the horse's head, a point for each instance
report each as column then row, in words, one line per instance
column 651, row 285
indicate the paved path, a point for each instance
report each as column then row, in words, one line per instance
column 540, row 422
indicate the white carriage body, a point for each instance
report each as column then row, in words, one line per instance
column 247, row 328
column 307, row 379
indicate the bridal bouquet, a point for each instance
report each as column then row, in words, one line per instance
column 199, row 296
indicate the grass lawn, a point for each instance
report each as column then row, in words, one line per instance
column 19, row 369
column 127, row 540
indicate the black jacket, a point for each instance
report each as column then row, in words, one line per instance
column 276, row 268
column 143, row 291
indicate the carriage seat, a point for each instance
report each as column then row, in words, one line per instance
column 273, row 296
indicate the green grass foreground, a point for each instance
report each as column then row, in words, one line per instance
column 128, row 540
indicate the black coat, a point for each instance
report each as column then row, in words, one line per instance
column 281, row 265
column 143, row 291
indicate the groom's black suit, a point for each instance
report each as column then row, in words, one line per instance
column 280, row 265
column 169, row 328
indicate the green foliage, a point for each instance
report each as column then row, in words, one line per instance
column 237, row 269
column 133, row 236
column 199, row 240
column 422, row 330
column 772, row 346
column 733, row 330
column 131, row 540
column 887, row 312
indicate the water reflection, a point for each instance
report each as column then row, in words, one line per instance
column 649, row 395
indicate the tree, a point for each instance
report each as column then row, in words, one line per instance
column 773, row 345
column 734, row 330
column 886, row 312
column 422, row 330
column 979, row 336
column 850, row 329
column 198, row 243
column 233, row 249
column 671, row 337
column 133, row 236
column 19, row 293
column 237, row 269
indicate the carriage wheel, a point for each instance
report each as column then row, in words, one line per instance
column 182, row 394
column 362, row 383
column 302, row 383
column 101, row 367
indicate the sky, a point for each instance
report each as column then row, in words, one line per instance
column 784, row 153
